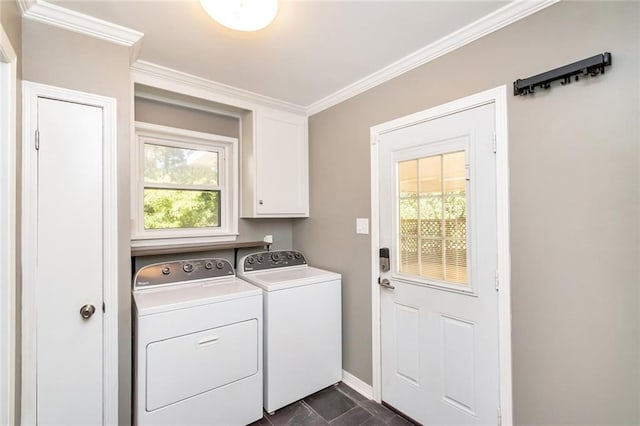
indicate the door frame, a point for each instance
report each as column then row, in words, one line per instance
column 30, row 94
column 8, row 142
column 497, row 96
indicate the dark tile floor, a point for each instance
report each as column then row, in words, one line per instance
column 337, row 405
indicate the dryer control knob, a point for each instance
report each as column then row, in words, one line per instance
column 275, row 256
column 251, row 259
column 208, row 265
column 260, row 258
column 188, row 267
column 166, row 270
column 220, row 265
column 290, row 256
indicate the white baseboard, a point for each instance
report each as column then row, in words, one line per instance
column 357, row 385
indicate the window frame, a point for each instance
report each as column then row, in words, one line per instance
column 228, row 165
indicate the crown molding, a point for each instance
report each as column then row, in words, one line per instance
column 25, row 5
column 7, row 54
column 154, row 75
column 52, row 14
column 488, row 24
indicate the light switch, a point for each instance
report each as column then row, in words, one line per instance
column 362, row 225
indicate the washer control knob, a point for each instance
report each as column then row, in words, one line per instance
column 260, row 258
column 166, row 270
column 188, row 267
column 220, row 265
column 251, row 259
column 275, row 256
column 298, row 255
column 208, row 265
column 290, row 256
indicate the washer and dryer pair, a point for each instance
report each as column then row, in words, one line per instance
column 201, row 335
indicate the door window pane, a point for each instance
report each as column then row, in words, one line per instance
column 433, row 217
column 454, row 167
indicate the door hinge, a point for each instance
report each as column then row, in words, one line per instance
column 497, row 278
column 37, row 140
column 494, row 144
column 103, row 308
column 499, row 417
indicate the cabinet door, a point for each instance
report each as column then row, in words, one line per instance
column 282, row 164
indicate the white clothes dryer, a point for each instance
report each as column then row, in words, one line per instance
column 198, row 345
column 302, row 325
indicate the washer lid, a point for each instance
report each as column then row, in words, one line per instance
column 162, row 299
column 290, row 277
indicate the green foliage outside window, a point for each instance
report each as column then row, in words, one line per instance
column 166, row 209
column 431, row 207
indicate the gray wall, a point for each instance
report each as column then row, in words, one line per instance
column 574, row 177
column 11, row 21
column 150, row 111
column 66, row 59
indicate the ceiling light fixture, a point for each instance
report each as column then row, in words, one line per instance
column 242, row 15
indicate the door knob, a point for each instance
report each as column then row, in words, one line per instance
column 87, row 310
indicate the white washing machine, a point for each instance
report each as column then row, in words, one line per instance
column 198, row 345
column 302, row 325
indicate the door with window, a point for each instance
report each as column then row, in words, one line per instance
column 439, row 304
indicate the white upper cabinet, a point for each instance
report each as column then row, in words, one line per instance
column 275, row 171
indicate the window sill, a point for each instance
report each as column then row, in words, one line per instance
column 156, row 242
column 190, row 248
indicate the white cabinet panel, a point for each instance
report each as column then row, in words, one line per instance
column 275, row 180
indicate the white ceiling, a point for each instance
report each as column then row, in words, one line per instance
column 311, row 50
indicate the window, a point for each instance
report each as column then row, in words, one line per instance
column 433, row 217
column 185, row 187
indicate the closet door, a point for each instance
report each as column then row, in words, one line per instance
column 69, row 272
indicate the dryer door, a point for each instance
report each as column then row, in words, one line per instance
column 186, row 366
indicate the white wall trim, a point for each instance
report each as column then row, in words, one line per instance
column 172, row 80
column 31, row 93
column 492, row 22
column 25, row 5
column 498, row 96
column 52, row 14
column 357, row 385
column 8, row 105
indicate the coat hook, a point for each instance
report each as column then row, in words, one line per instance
column 589, row 67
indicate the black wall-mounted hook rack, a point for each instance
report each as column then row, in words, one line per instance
column 592, row 67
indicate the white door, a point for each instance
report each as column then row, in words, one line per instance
column 69, row 264
column 439, row 322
